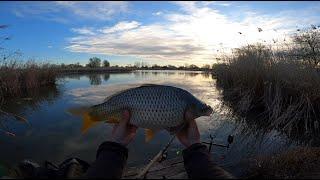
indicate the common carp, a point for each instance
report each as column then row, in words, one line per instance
column 153, row 107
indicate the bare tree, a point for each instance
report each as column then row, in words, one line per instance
column 206, row 66
column 308, row 45
column 137, row 64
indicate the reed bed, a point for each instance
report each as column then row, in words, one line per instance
column 284, row 93
column 19, row 79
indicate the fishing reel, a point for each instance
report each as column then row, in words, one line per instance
column 163, row 157
column 229, row 140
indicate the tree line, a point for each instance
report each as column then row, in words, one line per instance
column 96, row 62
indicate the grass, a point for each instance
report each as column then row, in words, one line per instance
column 285, row 94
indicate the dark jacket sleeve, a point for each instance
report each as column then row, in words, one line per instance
column 110, row 161
column 198, row 163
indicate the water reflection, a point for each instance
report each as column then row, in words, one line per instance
column 155, row 73
column 24, row 107
column 106, row 77
column 193, row 74
column 95, row 79
column 33, row 101
column 72, row 76
column 164, row 73
column 171, row 73
column 206, row 74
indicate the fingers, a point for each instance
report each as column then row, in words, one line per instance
column 114, row 128
column 194, row 132
column 192, row 124
column 193, row 128
column 188, row 115
column 133, row 129
column 124, row 132
column 185, row 129
column 124, row 124
column 125, row 117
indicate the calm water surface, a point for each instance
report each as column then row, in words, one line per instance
column 54, row 135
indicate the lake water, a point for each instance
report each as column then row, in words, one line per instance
column 54, row 135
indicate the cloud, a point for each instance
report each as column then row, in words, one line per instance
column 224, row 4
column 96, row 10
column 121, row 26
column 41, row 10
column 150, row 42
column 192, row 34
column 83, row 31
column 158, row 13
column 65, row 11
column 18, row 13
column 218, row 3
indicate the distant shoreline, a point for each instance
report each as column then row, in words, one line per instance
column 118, row 70
column 93, row 70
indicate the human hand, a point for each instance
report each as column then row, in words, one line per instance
column 189, row 134
column 123, row 133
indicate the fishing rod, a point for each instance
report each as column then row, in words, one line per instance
column 158, row 157
column 161, row 153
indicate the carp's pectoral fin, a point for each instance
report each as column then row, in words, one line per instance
column 149, row 134
column 113, row 120
column 88, row 121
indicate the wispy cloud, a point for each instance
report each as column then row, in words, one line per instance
column 158, row 13
column 121, row 26
column 97, row 10
column 224, row 4
column 83, row 31
column 65, row 11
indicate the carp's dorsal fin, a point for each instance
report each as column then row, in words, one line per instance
column 149, row 134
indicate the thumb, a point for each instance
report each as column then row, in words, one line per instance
column 125, row 117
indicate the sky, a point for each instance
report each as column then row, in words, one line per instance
column 160, row 33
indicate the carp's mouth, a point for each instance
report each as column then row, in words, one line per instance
column 207, row 111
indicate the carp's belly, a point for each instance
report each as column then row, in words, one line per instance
column 159, row 119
